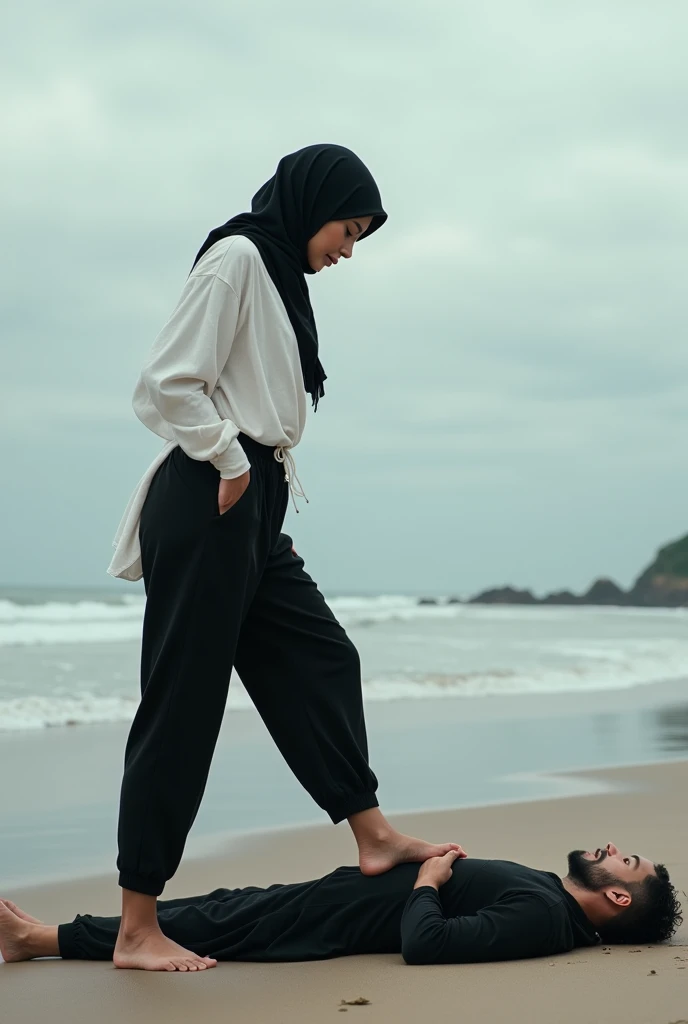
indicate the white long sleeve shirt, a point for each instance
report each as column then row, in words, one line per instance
column 227, row 361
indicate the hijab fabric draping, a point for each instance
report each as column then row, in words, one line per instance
column 309, row 188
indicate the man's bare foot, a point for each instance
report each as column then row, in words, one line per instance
column 14, row 936
column 380, row 854
column 20, row 913
column 150, row 950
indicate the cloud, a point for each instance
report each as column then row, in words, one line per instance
column 520, row 322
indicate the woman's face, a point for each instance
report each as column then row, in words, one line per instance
column 335, row 239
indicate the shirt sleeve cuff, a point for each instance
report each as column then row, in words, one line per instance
column 427, row 889
column 232, row 462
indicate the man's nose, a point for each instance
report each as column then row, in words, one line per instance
column 612, row 850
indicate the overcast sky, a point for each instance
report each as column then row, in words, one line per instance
column 507, row 397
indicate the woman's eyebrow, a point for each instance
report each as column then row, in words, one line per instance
column 360, row 229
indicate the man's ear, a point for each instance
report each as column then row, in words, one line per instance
column 619, row 897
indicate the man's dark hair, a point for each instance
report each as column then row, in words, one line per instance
column 654, row 913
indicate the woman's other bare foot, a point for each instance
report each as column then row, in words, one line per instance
column 150, row 950
column 141, row 945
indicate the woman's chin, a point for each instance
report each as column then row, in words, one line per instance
column 317, row 263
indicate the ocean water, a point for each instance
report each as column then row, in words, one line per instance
column 71, row 656
column 466, row 705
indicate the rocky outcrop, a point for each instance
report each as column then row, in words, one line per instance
column 561, row 597
column 504, row 595
column 664, row 584
column 604, row 591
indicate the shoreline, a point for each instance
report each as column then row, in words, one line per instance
column 58, row 819
column 573, row 784
column 200, row 848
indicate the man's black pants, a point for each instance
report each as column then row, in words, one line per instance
column 341, row 914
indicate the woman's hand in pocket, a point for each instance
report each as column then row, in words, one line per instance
column 231, row 490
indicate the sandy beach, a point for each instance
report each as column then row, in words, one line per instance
column 640, row 811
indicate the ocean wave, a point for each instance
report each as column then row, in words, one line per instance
column 70, row 611
column 507, row 682
column 28, row 714
column 80, row 622
column 600, row 674
column 92, row 622
column 89, row 622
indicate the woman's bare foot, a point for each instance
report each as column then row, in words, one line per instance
column 14, row 936
column 381, row 847
column 141, row 945
column 150, row 950
column 381, row 853
column 20, row 913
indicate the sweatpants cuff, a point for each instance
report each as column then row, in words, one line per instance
column 352, row 805
column 139, row 884
column 67, row 942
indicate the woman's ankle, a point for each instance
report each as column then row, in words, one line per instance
column 370, row 826
column 139, row 914
column 136, row 933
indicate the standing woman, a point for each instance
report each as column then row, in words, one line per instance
column 226, row 385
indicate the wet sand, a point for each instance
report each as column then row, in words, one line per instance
column 643, row 810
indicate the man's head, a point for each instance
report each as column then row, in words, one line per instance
column 627, row 897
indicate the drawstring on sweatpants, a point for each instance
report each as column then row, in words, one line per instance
column 283, row 455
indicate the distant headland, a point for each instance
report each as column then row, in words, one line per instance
column 663, row 584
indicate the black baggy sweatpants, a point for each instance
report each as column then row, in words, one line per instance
column 228, row 590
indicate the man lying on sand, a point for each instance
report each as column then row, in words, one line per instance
column 487, row 910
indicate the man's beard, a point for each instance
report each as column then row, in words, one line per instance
column 589, row 874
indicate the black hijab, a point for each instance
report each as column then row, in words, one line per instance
column 309, row 188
